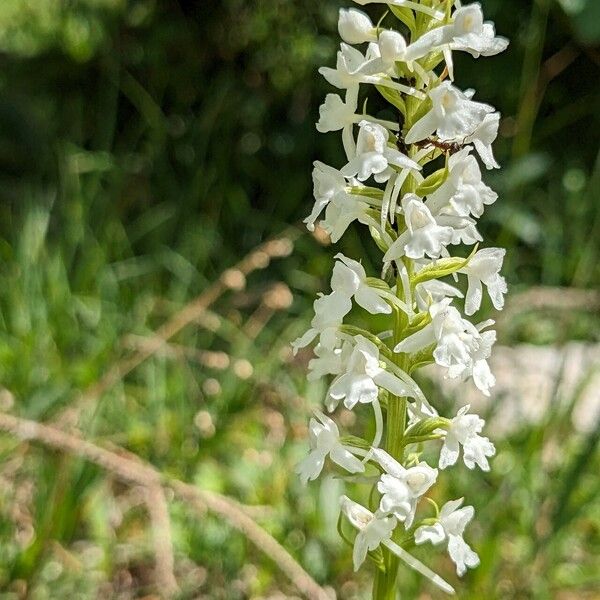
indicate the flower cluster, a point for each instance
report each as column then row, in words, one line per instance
column 413, row 179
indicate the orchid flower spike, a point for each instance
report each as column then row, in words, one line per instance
column 412, row 181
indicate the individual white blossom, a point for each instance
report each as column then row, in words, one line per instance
column 467, row 33
column 376, row 530
column 348, row 72
column 402, row 488
column 355, row 26
column 341, row 212
column 464, row 430
column 458, row 345
column 473, row 35
column 454, row 115
column 372, row 529
column 483, row 137
column 324, row 439
column 464, row 229
column 327, row 184
column 478, row 368
column 328, row 361
column 406, row 4
column 350, row 279
column 363, row 376
column 484, row 269
column 433, row 291
column 450, row 528
column 424, row 236
column 330, row 311
column 463, row 193
column 336, row 114
column 389, row 49
column 374, row 156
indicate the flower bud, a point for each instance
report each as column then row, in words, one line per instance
column 355, row 26
column 392, row 46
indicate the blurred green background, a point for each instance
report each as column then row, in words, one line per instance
column 146, row 146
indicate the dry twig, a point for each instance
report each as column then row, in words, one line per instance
column 233, row 278
column 131, row 469
column 158, row 511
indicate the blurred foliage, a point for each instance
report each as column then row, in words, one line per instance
column 147, row 145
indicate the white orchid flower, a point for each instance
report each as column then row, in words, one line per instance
column 483, row 137
column 374, row 155
column 450, row 528
column 325, row 441
column 459, row 345
column 375, row 530
column 355, row 26
column 468, row 33
column 478, row 368
column 401, row 487
column 454, row 115
column 406, row 4
column 372, row 529
column 389, row 49
column 330, row 311
column 341, row 211
column 349, row 278
column 424, row 235
column 327, row 184
column 328, row 361
column 464, row 229
column 463, row 193
column 484, row 269
column 335, row 115
column 363, row 376
column 348, row 72
column 471, row 34
column 431, row 292
column 464, row 430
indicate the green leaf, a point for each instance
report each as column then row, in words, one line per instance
column 355, row 442
column 405, row 15
column 442, row 268
column 423, row 107
column 377, row 283
column 417, row 323
column 426, row 427
column 394, row 97
column 433, row 61
column 432, row 182
column 378, row 239
column 368, row 192
column 422, row 358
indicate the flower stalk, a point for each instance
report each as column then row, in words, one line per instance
column 413, row 178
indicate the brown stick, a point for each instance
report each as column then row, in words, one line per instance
column 158, row 511
column 133, row 470
column 259, row 258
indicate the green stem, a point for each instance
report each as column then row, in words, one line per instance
column 384, row 587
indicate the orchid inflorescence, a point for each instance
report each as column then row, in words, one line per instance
column 425, row 159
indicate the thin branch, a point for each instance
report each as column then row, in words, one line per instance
column 133, row 470
column 233, row 278
column 158, row 511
